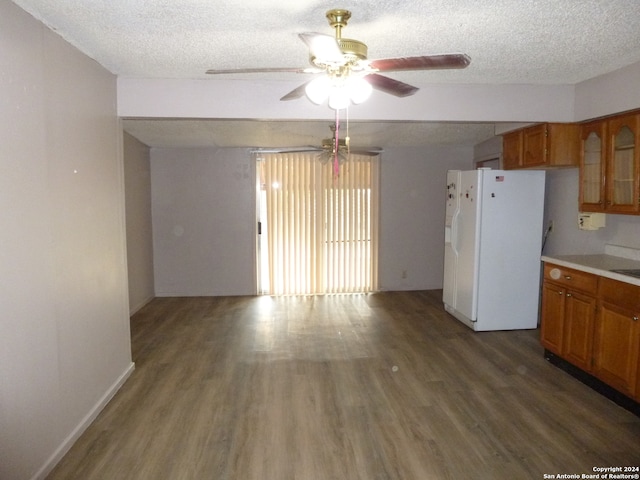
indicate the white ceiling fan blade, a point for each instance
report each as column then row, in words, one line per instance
column 323, row 47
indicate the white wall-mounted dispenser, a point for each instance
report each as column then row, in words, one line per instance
column 591, row 221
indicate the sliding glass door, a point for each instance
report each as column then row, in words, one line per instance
column 318, row 229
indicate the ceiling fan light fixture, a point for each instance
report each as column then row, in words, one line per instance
column 359, row 89
column 338, row 91
column 318, row 89
column 339, row 98
column 339, row 58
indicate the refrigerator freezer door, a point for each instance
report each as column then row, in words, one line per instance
column 467, row 241
column 450, row 254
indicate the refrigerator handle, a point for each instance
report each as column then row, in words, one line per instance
column 454, row 232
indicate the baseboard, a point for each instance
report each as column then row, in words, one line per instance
column 596, row 384
column 83, row 425
column 141, row 304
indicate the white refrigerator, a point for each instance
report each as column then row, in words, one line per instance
column 493, row 241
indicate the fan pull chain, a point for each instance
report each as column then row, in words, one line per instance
column 336, row 162
column 347, row 139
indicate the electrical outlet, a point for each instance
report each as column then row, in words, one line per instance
column 404, row 274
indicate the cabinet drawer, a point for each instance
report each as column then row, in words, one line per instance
column 569, row 277
column 619, row 293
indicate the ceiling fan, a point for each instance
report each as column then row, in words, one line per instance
column 345, row 66
column 335, row 146
column 329, row 148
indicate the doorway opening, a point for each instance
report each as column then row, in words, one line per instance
column 318, row 230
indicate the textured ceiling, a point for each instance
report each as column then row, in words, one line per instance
column 509, row 41
column 273, row 134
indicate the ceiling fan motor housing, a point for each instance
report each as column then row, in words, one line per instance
column 353, row 49
column 330, row 143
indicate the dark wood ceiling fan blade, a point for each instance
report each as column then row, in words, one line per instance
column 427, row 62
column 391, row 86
column 296, row 93
column 260, row 70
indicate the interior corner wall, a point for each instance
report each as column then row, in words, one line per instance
column 137, row 178
column 64, row 328
column 413, row 191
column 561, row 207
column 204, row 221
column 607, row 94
column 203, row 203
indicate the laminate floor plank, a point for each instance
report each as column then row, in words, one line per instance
column 385, row 386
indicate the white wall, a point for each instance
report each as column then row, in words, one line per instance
column 137, row 175
column 610, row 93
column 204, row 227
column 204, row 219
column 224, row 98
column 64, row 326
column 489, row 151
column 561, row 207
column 604, row 95
column 413, row 189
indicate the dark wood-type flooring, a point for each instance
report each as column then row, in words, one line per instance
column 384, row 386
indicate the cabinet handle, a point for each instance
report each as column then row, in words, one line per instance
column 568, row 294
column 635, row 318
column 560, row 292
column 567, row 277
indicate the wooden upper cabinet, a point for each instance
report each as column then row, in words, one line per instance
column 623, row 166
column 592, row 166
column 512, row 150
column 542, row 146
column 534, row 146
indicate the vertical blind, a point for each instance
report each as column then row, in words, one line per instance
column 321, row 228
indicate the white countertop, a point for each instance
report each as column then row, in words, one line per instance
column 600, row 264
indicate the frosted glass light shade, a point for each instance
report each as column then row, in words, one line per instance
column 359, row 89
column 339, row 98
column 317, row 90
column 340, row 92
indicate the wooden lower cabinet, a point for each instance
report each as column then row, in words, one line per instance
column 552, row 314
column 593, row 323
column 580, row 314
column 616, row 349
column 568, row 314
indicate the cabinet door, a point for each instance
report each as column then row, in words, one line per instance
column 623, row 164
column 592, row 166
column 616, row 345
column 512, row 150
column 534, row 146
column 580, row 313
column 562, row 145
column 552, row 317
